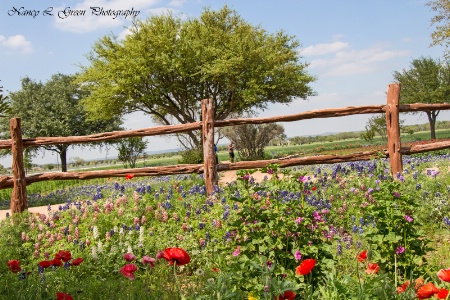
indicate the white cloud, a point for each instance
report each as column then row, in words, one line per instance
column 16, row 42
column 321, row 49
column 340, row 59
column 91, row 22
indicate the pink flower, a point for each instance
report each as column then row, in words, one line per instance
column 408, row 218
column 148, row 260
column 129, row 256
column 303, row 179
column 237, row 251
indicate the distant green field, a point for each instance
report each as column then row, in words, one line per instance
column 270, row 151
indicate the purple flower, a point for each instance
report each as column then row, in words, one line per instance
column 298, row 255
column 399, row 250
column 397, row 194
column 269, row 171
column 408, row 218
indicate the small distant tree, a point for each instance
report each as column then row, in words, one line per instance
column 249, row 140
column 78, row 161
column 130, row 149
column 376, row 125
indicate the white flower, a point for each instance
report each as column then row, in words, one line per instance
column 199, row 272
column 94, row 253
column 95, row 232
column 100, row 247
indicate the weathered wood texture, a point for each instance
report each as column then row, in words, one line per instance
column 170, row 129
column 19, row 193
column 7, row 181
column 105, row 136
column 420, row 148
column 209, row 157
column 393, row 128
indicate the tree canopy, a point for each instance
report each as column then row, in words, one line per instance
column 168, row 64
column 426, row 81
column 250, row 140
column 4, row 103
column 441, row 34
column 130, row 149
column 54, row 109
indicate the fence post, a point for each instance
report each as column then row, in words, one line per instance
column 19, row 193
column 209, row 159
column 393, row 128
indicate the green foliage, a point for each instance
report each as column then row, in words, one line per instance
column 426, row 81
column 441, row 34
column 130, row 149
column 4, row 104
column 396, row 240
column 53, row 109
column 168, row 64
column 192, row 156
column 250, row 140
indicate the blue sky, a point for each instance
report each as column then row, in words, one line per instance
column 352, row 47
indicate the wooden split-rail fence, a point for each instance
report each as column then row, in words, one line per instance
column 209, row 168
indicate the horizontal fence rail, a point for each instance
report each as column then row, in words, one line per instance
column 210, row 168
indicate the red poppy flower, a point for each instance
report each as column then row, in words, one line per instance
column 444, row 275
column 442, row 294
column 305, row 267
column 176, row 255
column 215, row 269
column 362, row 256
column 128, row 271
column 288, row 295
column 403, row 287
column 129, row 256
column 372, row 268
column 129, row 176
column 56, row 262
column 13, row 266
column 65, row 256
column 63, row 296
column 45, row 263
column 314, row 188
column 76, row 261
column 427, row 291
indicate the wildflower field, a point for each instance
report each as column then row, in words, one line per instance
column 341, row 231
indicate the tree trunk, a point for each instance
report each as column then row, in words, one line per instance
column 63, row 157
column 432, row 120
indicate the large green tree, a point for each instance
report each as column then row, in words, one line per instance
column 441, row 33
column 52, row 109
column 4, row 103
column 168, row 64
column 426, row 81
